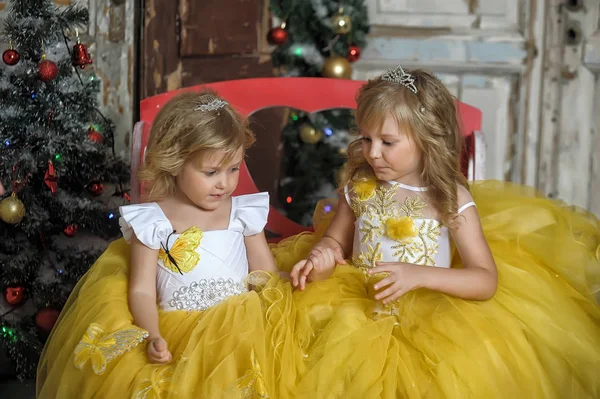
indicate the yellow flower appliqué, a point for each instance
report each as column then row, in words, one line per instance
column 365, row 190
column 100, row 347
column 182, row 256
column 401, row 229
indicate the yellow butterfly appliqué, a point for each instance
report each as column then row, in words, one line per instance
column 101, row 347
column 182, row 256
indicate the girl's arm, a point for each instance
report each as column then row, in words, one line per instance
column 142, row 287
column 340, row 233
column 478, row 280
column 259, row 254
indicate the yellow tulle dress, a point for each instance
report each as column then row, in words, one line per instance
column 538, row 337
column 226, row 341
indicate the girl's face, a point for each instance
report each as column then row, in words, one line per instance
column 392, row 153
column 209, row 182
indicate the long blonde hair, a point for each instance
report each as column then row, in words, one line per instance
column 430, row 117
column 181, row 131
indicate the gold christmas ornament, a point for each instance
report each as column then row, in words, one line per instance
column 309, row 134
column 341, row 22
column 12, row 209
column 337, row 67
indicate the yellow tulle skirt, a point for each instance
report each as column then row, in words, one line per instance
column 539, row 337
column 241, row 348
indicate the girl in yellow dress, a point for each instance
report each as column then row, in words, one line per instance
column 166, row 312
column 447, row 291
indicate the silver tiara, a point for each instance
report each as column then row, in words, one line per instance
column 214, row 105
column 398, row 75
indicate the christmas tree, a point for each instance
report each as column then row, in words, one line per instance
column 62, row 182
column 315, row 38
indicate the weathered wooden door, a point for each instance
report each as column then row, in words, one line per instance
column 189, row 42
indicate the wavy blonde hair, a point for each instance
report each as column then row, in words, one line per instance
column 181, row 132
column 430, row 117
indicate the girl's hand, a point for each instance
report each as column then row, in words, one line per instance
column 319, row 265
column 403, row 277
column 158, row 351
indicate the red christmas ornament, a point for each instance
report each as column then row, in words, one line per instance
column 353, row 53
column 47, row 69
column 81, row 57
column 96, row 188
column 127, row 196
column 11, row 57
column 14, row 295
column 71, row 230
column 95, row 136
column 50, row 178
column 277, row 36
column 46, row 318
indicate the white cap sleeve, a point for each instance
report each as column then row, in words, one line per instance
column 249, row 213
column 465, row 200
column 147, row 222
column 465, row 206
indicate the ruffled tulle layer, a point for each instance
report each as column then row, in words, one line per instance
column 537, row 338
column 239, row 348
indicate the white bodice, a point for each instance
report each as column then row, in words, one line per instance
column 197, row 269
column 395, row 224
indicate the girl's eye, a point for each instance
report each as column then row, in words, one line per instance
column 235, row 169
column 363, row 138
column 211, row 173
column 387, row 143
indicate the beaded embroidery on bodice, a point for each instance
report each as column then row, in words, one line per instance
column 394, row 223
